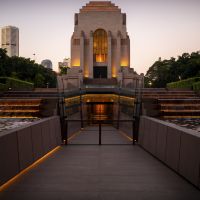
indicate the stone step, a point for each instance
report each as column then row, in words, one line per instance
column 179, row 101
column 180, row 117
column 170, row 97
column 180, row 108
column 178, row 111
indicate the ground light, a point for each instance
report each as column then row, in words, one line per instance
column 36, row 163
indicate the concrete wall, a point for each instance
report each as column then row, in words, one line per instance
column 20, row 147
column 177, row 147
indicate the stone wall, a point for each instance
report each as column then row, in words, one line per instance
column 177, row 147
column 21, row 147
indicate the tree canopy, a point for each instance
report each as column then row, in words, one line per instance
column 166, row 71
column 26, row 70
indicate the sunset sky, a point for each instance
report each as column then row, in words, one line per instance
column 157, row 28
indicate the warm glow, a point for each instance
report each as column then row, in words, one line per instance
column 114, row 74
column 124, row 63
column 86, row 73
column 76, row 62
column 19, row 111
column 100, row 97
column 11, row 181
column 100, row 58
column 100, row 46
column 73, row 135
column 125, row 135
column 100, row 109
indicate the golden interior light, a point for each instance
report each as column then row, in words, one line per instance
column 76, row 62
column 12, row 180
column 100, row 46
column 86, row 73
column 124, row 63
column 114, row 74
column 100, row 58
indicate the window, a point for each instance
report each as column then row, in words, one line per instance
column 100, row 45
column 76, row 42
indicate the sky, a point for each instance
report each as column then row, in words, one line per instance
column 157, row 28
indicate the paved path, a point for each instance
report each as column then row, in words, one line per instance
column 107, row 172
column 90, row 135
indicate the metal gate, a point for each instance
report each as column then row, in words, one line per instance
column 99, row 132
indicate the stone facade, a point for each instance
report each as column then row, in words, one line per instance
column 100, row 47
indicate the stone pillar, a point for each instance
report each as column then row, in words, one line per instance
column 135, row 83
column 90, row 63
column 82, row 51
column 118, row 61
column 128, row 46
column 109, row 55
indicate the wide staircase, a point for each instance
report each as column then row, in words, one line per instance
column 165, row 103
column 20, row 108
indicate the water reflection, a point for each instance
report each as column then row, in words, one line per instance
column 6, row 124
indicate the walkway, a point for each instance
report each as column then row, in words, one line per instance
column 106, row 172
column 109, row 135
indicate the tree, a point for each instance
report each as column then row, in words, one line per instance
column 166, row 71
column 39, row 80
column 63, row 69
column 26, row 70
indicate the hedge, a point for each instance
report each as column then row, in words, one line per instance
column 3, row 87
column 15, row 84
column 187, row 83
column 196, row 86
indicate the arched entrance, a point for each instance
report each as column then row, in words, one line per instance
column 100, row 53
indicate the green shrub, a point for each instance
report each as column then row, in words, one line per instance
column 187, row 83
column 15, row 84
column 3, row 87
column 196, row 86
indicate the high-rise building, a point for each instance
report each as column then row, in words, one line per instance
column 10, row 40
column 47, row 64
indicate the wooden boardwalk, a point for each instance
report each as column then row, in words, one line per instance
column 106, row 172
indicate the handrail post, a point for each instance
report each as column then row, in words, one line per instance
column 133, row 131
column 66, row 133
column 99, row 132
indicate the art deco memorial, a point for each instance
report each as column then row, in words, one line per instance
column 100, row 48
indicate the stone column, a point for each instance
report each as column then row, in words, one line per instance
column 82, row 51
column 118, row 59
column 90, row 63
column 109, row 55
column 128, row 46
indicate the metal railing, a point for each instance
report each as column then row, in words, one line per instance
column 65, row 134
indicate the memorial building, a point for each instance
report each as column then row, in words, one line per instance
column 100, row 49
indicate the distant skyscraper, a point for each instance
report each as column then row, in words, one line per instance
column 10, row 40
column 47, row 64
